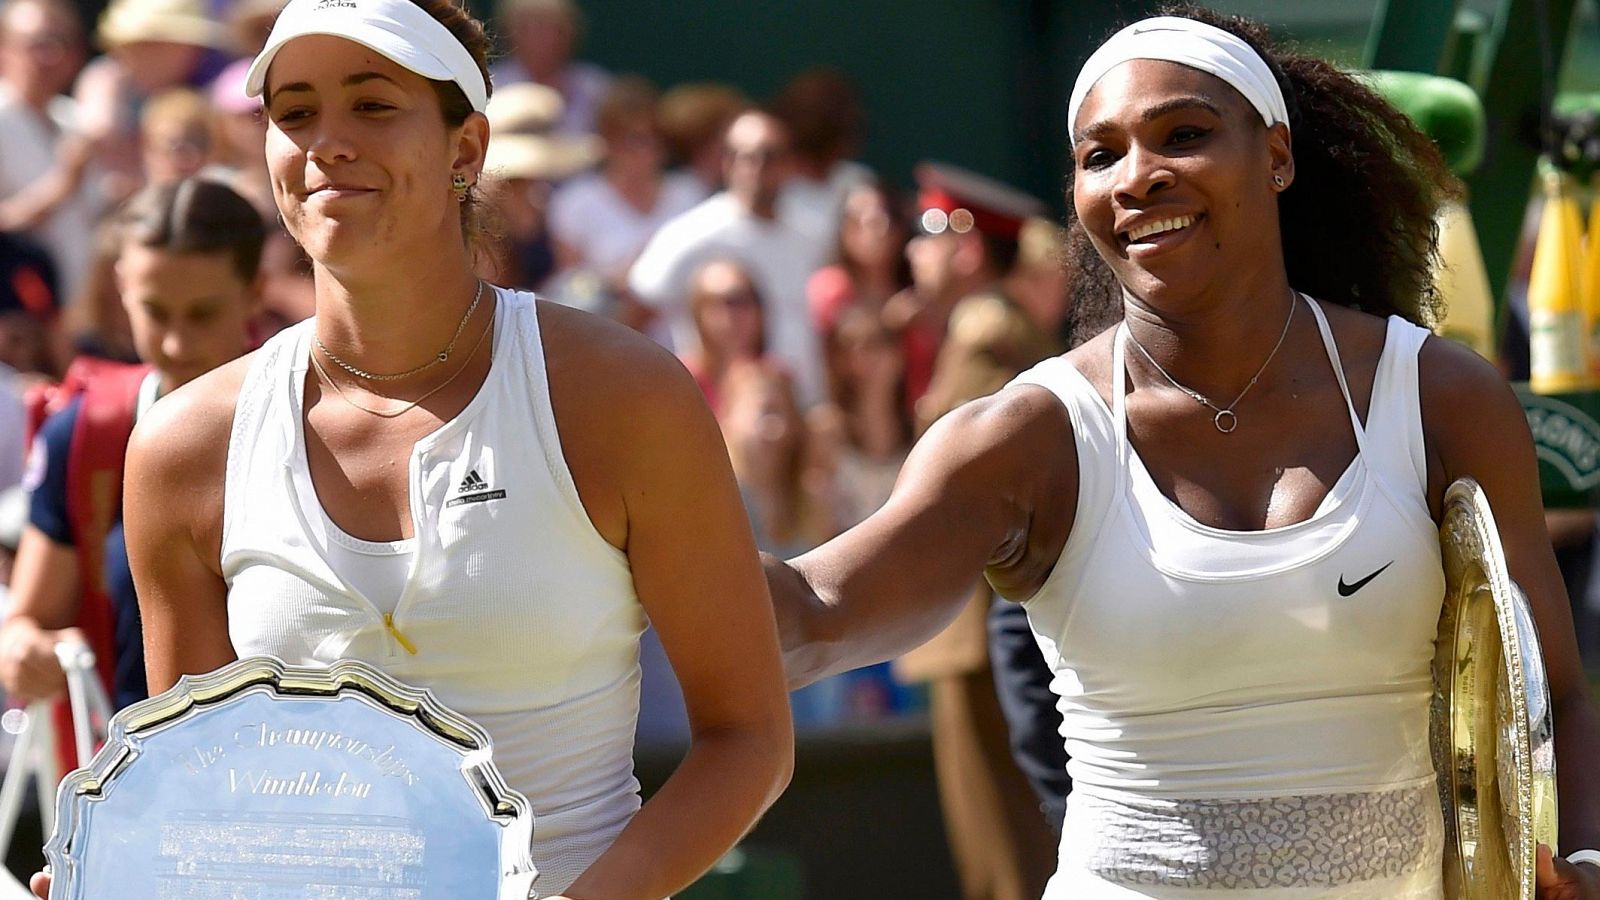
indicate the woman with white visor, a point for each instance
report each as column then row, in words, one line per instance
column 478, row 492
column 1221, row 512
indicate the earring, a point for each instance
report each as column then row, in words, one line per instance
column 458, row 183
column 1278, row 180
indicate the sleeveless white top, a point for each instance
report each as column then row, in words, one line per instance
column 522, row 616
column 1247, row 712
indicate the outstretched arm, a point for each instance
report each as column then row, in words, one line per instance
column 966, row 501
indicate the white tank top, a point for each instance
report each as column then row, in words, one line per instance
column 522, row 616
column 1221, row 690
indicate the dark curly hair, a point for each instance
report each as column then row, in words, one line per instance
column 1358, row 223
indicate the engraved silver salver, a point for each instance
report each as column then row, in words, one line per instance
column 264, row 781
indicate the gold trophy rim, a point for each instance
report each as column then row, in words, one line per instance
column 1491, row 725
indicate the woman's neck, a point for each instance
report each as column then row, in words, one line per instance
column 1213, row 347
column 389, row 324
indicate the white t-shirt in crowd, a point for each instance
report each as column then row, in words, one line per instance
column 779, row 257
column 588, row 215
column 813, row 206
column 28, row 143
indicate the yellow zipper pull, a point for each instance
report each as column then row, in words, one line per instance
column 388, row 622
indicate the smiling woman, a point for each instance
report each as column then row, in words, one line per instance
column 1226, row 537
column 442, row 478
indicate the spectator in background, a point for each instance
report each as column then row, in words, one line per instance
column 823, row 111
column 187, row 273
column 176, row 130
column 250, row 23
column 600, row 221
column 525, row 158
column 992, row 816
column 694, row 120
column 543, row 36
column 28, row 306
column 239, row 134
column 863, row 431
column 13, row 513
column 41, row 50
column 151, row 45
column 872, row 264
column 728, row 316
column 741, row 223
column 786, row 494
column 953, row 256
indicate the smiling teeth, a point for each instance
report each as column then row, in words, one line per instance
column 1145, row 231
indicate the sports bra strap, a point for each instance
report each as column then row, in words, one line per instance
column 1338, row 371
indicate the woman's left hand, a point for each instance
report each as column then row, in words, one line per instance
column 1557, row 879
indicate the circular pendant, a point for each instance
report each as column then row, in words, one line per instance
column 444, row 356
column 1225, row 421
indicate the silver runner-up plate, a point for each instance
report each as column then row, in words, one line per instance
column 265, row 781
column 1493, row 736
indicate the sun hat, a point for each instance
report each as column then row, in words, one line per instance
column 171, row 21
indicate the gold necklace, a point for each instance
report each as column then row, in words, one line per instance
column 442, row 357
column 393, row 413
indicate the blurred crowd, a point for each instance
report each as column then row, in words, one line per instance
column 827, row 316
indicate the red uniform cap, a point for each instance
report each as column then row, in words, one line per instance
column 955, row 199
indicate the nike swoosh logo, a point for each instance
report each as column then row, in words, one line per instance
column 1346, row 590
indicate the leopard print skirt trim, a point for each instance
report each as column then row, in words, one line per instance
column 1321, row 840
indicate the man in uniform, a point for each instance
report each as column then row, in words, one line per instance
column 992, row 239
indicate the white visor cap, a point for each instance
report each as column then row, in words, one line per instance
column 398, row 29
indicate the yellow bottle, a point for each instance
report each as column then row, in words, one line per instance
column 1589, row 281
column 1464, row 282
column 1556, row 323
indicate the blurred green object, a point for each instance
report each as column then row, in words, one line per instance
column 749, row 874
column 1445, row 109
column 1572, row 103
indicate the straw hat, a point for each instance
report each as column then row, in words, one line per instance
column 172, row 21
column 522, row 140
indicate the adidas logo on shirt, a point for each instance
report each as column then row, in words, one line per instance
column 473, row 489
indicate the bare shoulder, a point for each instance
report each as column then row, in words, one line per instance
column 186, row 432
column 596, row 364
column 1359, row 335
column 1467, row 406
column 1018, row 441
column 1451, row 372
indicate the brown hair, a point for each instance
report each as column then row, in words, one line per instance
column 453, row 102
column 196, row 215
column 629, row 99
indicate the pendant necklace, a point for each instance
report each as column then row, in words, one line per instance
column 1225, row 419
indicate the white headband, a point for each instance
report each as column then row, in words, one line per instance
column 399, row 29
column 1193, row 44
